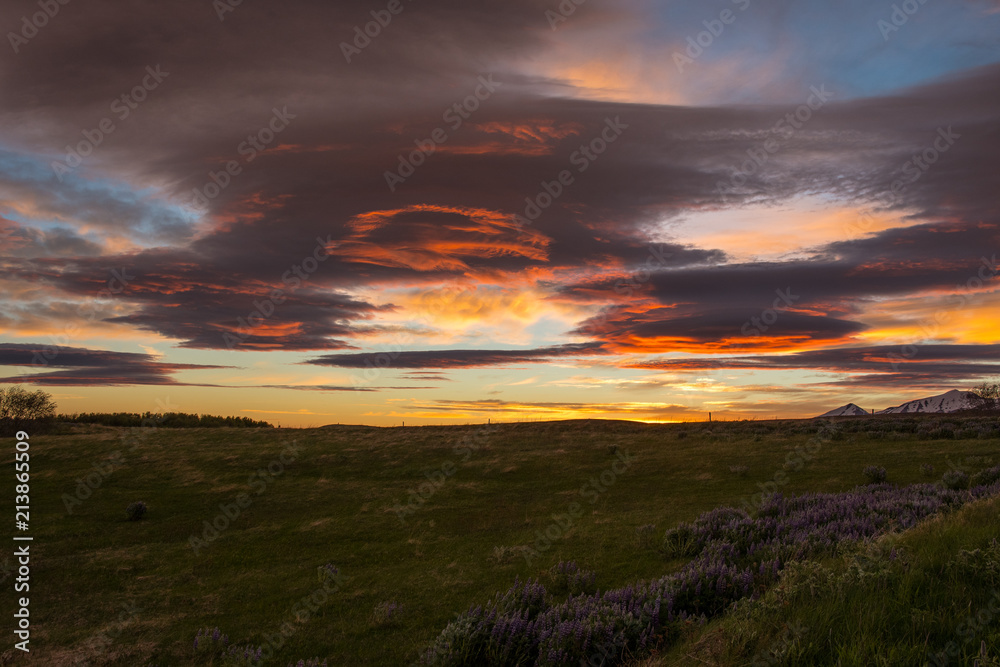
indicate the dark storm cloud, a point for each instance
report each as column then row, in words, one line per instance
column 81, row 367
column 222, row 74
column 897, row 367
column 759, row 304
column 891, row 263
column 183, row 296
column 715, row 330
column 309, row 320
column 90, row 368
column 457, row 358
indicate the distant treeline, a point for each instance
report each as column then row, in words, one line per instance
column 162, row 419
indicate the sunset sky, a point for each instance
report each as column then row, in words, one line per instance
column 634, row 210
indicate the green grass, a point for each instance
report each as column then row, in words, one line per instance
column 335, row 502
column 932, row 591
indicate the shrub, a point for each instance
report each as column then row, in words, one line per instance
column 680, row 542
column 978, row 564
column 136, row 511
column 567, row 577
column 984, row 431
column 874, row 474
column 210, row 640
column 986, row 477
column 164, row 419
column 955, row 480
column 688, row 539
column 927, row 470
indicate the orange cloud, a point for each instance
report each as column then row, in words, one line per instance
column 240, row 212
column 652, row 328
column 496, row 148
column 528, row 138
column 532, row 131
column 438, row 238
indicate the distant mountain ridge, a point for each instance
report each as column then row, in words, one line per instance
column 849, row 410
column 951, row 401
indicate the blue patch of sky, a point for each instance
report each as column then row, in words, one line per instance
column 99, row 203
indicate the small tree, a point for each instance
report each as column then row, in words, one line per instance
column 20, row 408
column 989, row 392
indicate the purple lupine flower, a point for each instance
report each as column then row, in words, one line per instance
column 736, row 557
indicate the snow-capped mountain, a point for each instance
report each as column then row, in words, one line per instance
column 849, row 410
column 951, row 401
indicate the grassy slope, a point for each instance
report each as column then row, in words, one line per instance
column 333, row 504
column 875, row 607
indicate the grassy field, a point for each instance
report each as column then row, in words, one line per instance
column 111, row 591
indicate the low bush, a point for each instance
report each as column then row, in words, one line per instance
column 955, row 480
column 135, row 511
column 567, row 577
column 874, row 474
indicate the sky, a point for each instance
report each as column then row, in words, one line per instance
column 406, row 211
